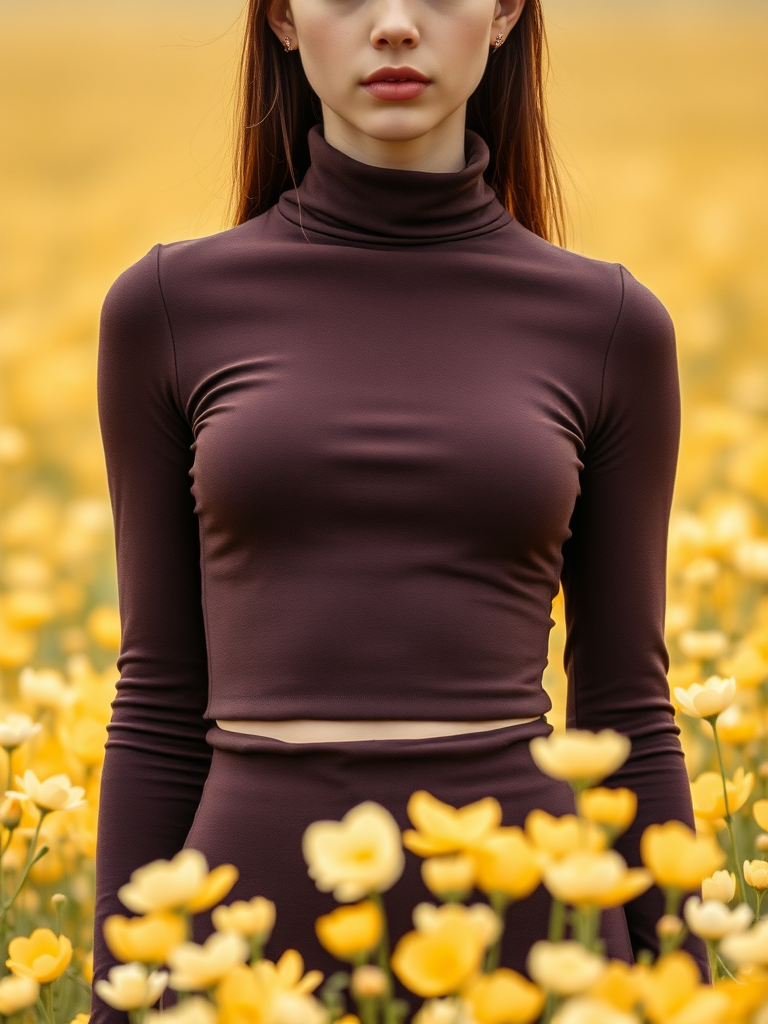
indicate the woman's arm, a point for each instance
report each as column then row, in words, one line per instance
column 157, row 758
column 614, row 580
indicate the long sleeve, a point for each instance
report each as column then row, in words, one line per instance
column 614, row 581
column 157, row 758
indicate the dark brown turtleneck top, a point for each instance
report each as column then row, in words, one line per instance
column 353, row 446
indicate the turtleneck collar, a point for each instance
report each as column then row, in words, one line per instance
column 356, row 203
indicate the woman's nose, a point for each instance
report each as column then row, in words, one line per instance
column 394, row 25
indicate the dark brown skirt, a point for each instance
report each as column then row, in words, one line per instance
column 262, row 793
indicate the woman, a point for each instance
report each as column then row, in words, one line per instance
column 406, row 416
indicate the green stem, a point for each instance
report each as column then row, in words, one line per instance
column 499, row 902
column 32, row 858
column 556, row 920
column 712, row 719
column 672, row 897
column 382, row 954
column 712, row 955
column 48, row 990
column 759, row 897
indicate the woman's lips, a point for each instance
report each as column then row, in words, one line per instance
column 389, row 90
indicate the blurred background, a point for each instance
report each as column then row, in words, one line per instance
column 116, row 134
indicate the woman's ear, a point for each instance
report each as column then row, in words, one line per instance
column 280, row 20
column 505, row 18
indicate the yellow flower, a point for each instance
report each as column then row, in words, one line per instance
column 358, row 855
column 615, row 808
column 270, row 993
column 183, row 883
column 711, row 919
column 54, row 794
column 43, row 956
column 577, row 755
column 719, row 886
column 760, row 812
column 214, row 888
column 668, row 985
column 506, row 862
column 254, row 918
column 196, row 967
column 86, row 740
column 479, row 918
column 756, row 874
column 556, row 837
column 589, row 1010
column 619, row 985
column 439, row 961
column 130, row 987
column 677, row 857
column 748, row 947
column 599, row 879
column 17, row 993
column 11, row 812
column 503, row 997
column 445, row 829
column 566, row 968
column 452, row 874
column 351, row 930
column 146, row 939
column 736, row 726
column 707, row 793
column 88, row 967
column 80, row 1018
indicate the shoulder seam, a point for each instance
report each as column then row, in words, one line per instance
column 170, row 331
column 608, row 346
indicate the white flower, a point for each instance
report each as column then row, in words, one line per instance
column 17, row 993
column 585, row 1010
column 702, row 700
column 356, row 856
column 45, row 688
column 165, row 884
column 192, row 1010
column 748, row 947
column 712, row 919
column 480, row 917
column 16, row 729
column 196, row 967
column 55, row 793
column 565, row 968
column 130, row 987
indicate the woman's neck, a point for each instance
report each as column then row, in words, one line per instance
column 440, row 150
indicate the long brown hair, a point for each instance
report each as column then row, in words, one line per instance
column 277, row 107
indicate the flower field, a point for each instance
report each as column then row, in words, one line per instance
column 116, row 137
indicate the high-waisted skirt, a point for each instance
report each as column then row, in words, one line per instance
column 262, row 793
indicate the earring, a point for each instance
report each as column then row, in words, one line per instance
column 499, row 41
column 287, row 43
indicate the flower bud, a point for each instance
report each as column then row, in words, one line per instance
column 719, row 886
column 449, row 874
column 10, row 812
column 668, row 925
column 368, row 982
column 58, row 899
column 762, row 842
